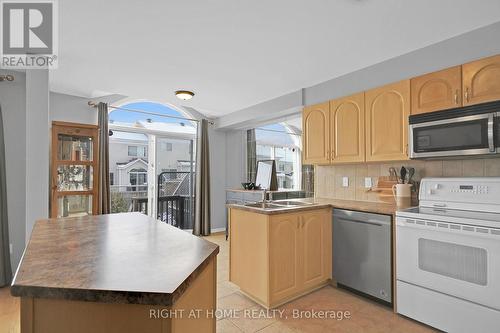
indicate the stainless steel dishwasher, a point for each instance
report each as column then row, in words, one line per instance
column 362, row 252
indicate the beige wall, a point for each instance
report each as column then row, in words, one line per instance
column 328, row 179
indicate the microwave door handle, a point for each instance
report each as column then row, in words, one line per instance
column 491, row 141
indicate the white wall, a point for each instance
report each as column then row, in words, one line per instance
column 218, row 152
column 236, row 142
column 71, row 109
column 13, row 103
column 37, row 147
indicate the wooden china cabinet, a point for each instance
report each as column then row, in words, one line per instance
column 74, row 173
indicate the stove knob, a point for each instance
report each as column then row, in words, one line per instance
column 437, row 186
column 430, row 192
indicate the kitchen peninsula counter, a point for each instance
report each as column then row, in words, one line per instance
column 89, row 270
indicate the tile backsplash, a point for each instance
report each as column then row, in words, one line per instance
column 328, row 178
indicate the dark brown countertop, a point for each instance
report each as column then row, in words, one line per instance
column 317, row 203
column 116, row 258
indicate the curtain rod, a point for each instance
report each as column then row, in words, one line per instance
column 94, row 105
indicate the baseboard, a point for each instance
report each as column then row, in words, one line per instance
column 218, row 231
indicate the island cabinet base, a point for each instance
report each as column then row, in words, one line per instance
column 194, row 311
column 279, row 257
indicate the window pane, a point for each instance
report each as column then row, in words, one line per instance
column 263, row 152
column 132, row 150
column 74, row 177
column 74, row 148
column 74, row 205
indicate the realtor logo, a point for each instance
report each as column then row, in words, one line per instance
column 28, row 35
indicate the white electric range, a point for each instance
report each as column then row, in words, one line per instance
column 448, row 255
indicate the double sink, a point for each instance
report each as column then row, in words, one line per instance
column 278, row 204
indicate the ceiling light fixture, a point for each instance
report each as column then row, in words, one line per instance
column 184, row 94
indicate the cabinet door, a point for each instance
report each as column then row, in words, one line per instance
column 316, row 138
column 347, row 129
column 283, row 256
column 481, row 80
column 437, row 91
column 316, row 248
column 387, row 110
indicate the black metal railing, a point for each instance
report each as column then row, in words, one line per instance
column 175, row 199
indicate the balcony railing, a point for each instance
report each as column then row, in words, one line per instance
column 175, row 199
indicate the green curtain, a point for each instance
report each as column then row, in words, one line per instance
column 5, row 269
column 251, row 156
column 103, row 188
column 202, row 206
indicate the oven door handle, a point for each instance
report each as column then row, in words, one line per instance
column 491, row 130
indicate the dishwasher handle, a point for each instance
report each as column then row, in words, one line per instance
column 378, row 223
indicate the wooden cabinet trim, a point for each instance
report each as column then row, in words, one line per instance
column 487, row 90
column 340, row 135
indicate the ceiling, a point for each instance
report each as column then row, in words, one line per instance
column 233, row 53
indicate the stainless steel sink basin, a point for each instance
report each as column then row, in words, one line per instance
column 277, row 204
column 266, row 205
column 291, row 203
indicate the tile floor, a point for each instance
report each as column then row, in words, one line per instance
column 243, row 315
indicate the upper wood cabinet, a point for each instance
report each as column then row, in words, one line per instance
column 437, row 91
column 347, row 129
column 481, row 81
column 316, row 137
column 387, row 110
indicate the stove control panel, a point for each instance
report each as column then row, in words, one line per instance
column 460, row 192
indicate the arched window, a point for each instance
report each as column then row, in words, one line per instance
column 146, row 139
column 130, row 118
column 138, row 176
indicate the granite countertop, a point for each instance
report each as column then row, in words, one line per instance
column 116, row 258
column 318, row 203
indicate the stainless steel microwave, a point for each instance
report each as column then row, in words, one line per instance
column 465, row 131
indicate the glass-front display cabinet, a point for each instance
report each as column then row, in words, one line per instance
column 74, row 173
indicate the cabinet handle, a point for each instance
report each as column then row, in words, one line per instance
column 456, row 96
column 467, row 94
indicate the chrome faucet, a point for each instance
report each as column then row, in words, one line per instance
column 264, row 200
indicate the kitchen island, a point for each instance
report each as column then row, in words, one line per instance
column 116, row 273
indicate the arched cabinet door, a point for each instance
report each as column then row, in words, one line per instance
column 437, row 91
column 316, row 134
column 284, row 256
column 347, row 129
column 316, row 248
column 387, row 110
column 481, row 81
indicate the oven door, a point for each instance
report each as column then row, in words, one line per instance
column 458, row 260
column 469, row 135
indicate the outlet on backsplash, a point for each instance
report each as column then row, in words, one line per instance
column 368, row 182
column 345, row 181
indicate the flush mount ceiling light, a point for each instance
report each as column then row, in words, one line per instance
column 184, row 94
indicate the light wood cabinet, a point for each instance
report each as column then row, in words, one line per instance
column 387, row 110
column 481, row 81
column 316, row 136
column 276, row 258
column 316, row 239
column 347, row 129
column 437, row 91
column 284, row 256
